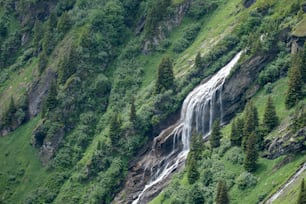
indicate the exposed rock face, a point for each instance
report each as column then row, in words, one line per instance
column 288, row 143
column 235, row 92
column 39, row 90
column 248, row 3
column 234, row 95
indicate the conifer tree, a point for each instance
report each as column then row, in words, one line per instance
column 67, row 65
column 192, row 169
column 295, row 84
column 222, row 194
column 270, row 119
column 165, row 78
column 9, row 116
column 133, row 116
column 251, row 153
column 236, row 132
column 51, row 100
column 303, row 66
column 196, row 195
column 42, row 62
column 215, row 136
column 198, row 60
column 64, row 23
column 114, row 130
column 37, row 36
column 250, row 122
column 196, row 145
column 302, row 194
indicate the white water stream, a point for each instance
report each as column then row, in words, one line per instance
column 199, row 110
column 286, row 185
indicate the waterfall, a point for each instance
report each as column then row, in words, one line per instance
column 200, row 108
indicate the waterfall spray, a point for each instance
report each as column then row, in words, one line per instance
column 200, row 108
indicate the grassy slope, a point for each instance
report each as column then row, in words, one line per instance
column 20, row 166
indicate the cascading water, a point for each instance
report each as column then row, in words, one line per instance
column 200, row 108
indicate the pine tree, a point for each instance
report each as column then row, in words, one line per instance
column 270, row 119
column 165, row 79
column 251, row 153
column 192, row 169
column 42, row 62
column 196, row 145
column 250, row 122
column 64, row 23
column 9, row 116
column 198, row 60
column 295, row 84
column 303, row 65
column 51, row 100
column 302, row 194
column 222, row 195
column 133, row 116
column 114, row 130
column 236, row 135
column 196, row 195
column 215, row 136
column 67, row 65
column 37, row 36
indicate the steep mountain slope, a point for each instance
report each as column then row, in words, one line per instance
column 86, row 86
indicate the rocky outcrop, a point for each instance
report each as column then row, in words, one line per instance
column 288, row 143
column 39, row 90
column 236, row 89
column 248, row 3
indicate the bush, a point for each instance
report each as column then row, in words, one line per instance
column 235, row 155
column 246, row 180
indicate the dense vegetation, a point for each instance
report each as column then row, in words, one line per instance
column 88, row 84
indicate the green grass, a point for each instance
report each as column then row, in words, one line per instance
column 21, row 170
column 291, row 193
column 300, row 29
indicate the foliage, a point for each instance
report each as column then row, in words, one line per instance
column 196, row 195
column 189, row 36
column 192, row 169
column 294, row 92
column 236, row 132
column 251, row 153
column 302, row 194
column 270, row 119
column 165, row 77
column 215, row 135
column 250, row 122
column 222, row 195
column 246, row 180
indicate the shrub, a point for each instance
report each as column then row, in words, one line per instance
column 235, row 155
column 246, row 180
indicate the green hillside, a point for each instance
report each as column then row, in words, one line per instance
column 85, row 86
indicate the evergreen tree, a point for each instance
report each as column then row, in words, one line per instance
column 196, row 145
column 251, row 153
column 114, row 130
column 64, row 23
column 67, row 65
column 215, row 136
column 295, row 84
column 303, row 66
column 133, row 116
column 37, row 36
column 222, row 195
column 198, row 60
column 270, row 119
column 302, row 194
column 196, row 195
column 250, row 122
column 165, row 78
column 236, row 135
column 42, row 62
column 192, row 169
column 51, row 100
column 9, row 116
